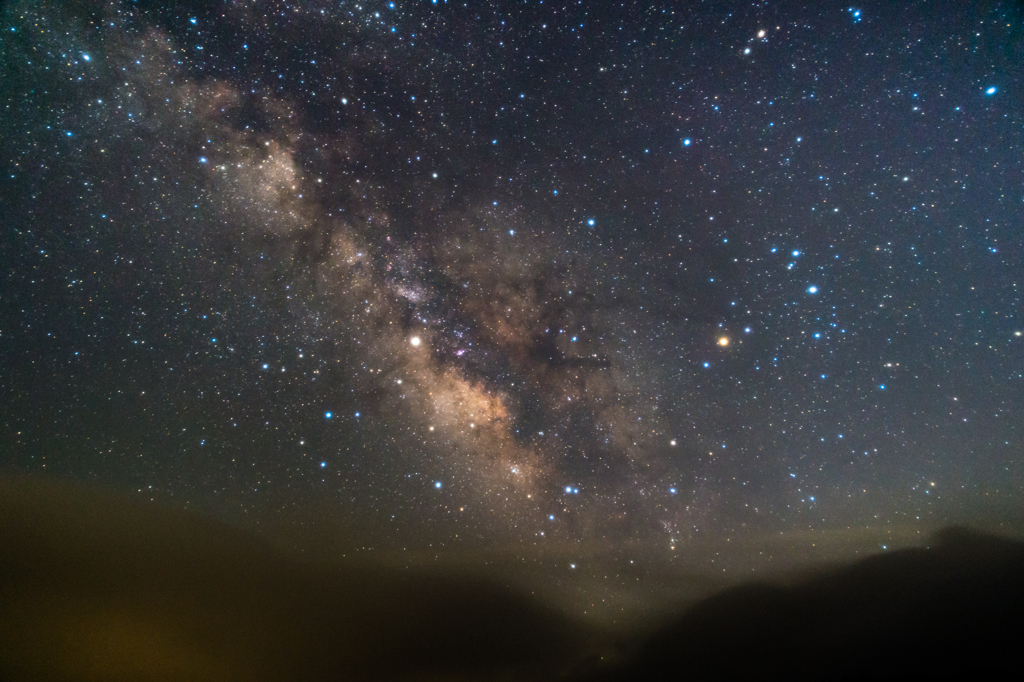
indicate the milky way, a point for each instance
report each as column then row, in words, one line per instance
column 530, row 272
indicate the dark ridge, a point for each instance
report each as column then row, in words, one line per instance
column 954, row 609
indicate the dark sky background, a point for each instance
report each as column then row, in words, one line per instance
column 528, row 277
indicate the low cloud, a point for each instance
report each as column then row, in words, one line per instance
column 98, row 587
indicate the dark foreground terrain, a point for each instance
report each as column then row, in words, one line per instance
column 955, row 609
column 96, row 587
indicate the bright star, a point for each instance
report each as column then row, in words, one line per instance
column 991, row 91
column 812, row 289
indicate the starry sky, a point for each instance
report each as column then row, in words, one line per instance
column 523, row 276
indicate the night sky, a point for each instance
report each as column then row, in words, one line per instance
column 536, row 278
